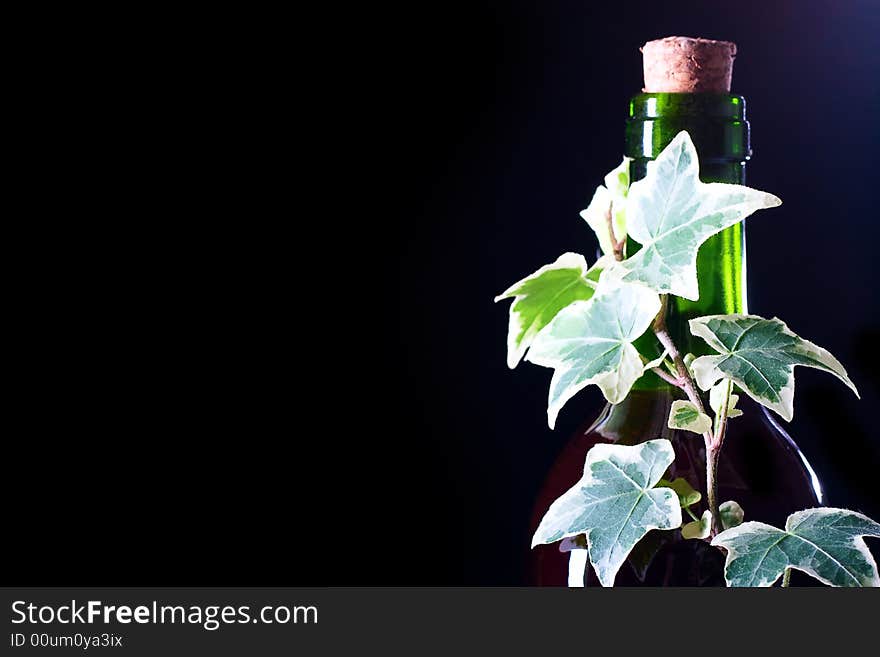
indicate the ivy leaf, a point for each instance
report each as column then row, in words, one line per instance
column 759, row 355
column 698, row 528
column 671, row 213
column 614, row 504
column 688, row 360
column 731, row 514
column 716, row 401
column 687, row 496
column 603, row 263
column 617, row 182
column 611, row 198
column 824, row 543
column 591, row 342
column 685, row 415
column 540, row 296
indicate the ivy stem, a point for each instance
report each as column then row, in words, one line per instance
column 786, row 577
column 666, row 376
column 712, row 454
column 617, row 247
column 686, row 383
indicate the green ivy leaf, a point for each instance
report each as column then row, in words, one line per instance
column 759, row 355
column 614, row 504
column 824, row 543
column 540, row 296
column 698, row 529
column 731, row 514
column 687, row 496
column 591, row 342
column 685, row 415
column 611, row 198
column 670, row 212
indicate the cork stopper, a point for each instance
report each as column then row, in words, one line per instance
column 688, row 65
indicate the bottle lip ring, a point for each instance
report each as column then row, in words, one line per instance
column 658, row 105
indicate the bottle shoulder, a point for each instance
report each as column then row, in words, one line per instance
column 761, row 468
column 760, row 460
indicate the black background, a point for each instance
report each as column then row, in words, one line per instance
column 275, row 359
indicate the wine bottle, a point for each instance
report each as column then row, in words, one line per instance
column 760, row 467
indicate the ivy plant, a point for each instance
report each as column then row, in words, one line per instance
column 584, row 322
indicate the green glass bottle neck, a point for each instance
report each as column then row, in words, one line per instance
column 718, row 127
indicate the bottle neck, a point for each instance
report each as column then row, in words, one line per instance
column 718, row 127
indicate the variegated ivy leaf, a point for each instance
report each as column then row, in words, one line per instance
column 687, row 496
column 716, row 400
column 685, row 415
column 614, row 504
column 759, row 355
column 596, row 216
column 591, row 342
column 698, row 528
column 670, row 212
column 611, row 198
column 538, row 297
column 617, row 182
column 731, row 514
column 595, row 271
column 824, row 543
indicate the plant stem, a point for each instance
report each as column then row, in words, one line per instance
column 686, row 383
column 663, row 374
column 616, row 246
column 786, row 577
column 712, row 455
